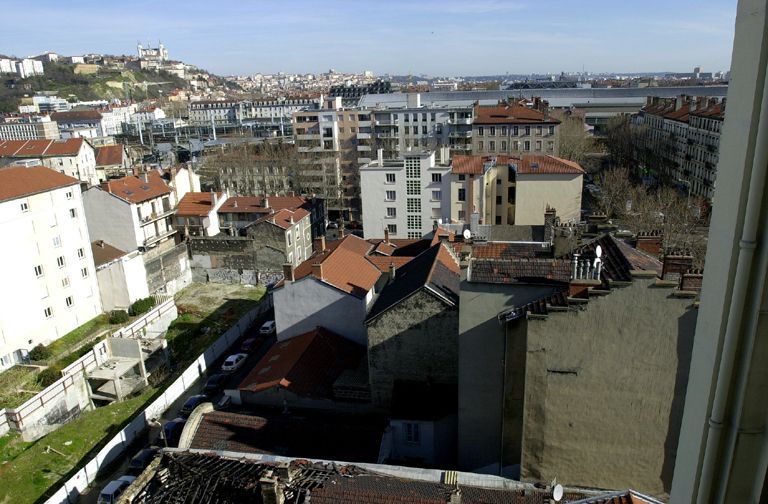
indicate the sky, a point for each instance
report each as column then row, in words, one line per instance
column 401, row 37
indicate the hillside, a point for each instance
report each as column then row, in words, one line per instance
column 61, row 80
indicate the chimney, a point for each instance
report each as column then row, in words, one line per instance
column 386, row 234
column 679, row 101
column 391, row 271
column 320, row 244
column 234, row 204
column 413, row 100
column 144, row 177
column 380, row 156
column 692, row 280
column 265, row 202
column 650, row 242
column 675, row 265
column 288, row 272
column 317, row 271
column 214, row 198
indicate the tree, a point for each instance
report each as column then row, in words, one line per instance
column 619, row 141
column 575, row 142
column 616, row 188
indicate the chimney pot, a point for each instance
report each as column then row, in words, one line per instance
column 317, row 270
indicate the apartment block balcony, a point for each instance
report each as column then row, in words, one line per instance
column 363, row 148
column 156, row 216
column 162, row 236
column 461, row 147
column 310, row 149
column 386, row 122
column 460, row 134
column 364, row 124
column 388, row 135
column 308, row 136
column 363, row 136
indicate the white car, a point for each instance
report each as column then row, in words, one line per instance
column 233, row 362
column 110, row 493
column 268, row 327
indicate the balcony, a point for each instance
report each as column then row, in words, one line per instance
column 308, row 136
column 156, row 216
column 461, row 120
column 386, row 123
column 364, row 124
column 310, row 149
column 363, row 136
column 460, row 134
column 363, row 148
column 461, row 147
column 155, row 239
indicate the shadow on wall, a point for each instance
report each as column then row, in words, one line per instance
column 686, row 328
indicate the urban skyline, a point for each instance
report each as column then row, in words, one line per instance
column 435, row 38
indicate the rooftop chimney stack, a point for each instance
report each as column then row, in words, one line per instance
column 391, row 271
column 288, row 272
column 214, row 198
column 386, row 234
column 317, row 271
column 320, row 244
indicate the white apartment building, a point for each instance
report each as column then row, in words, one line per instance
column 29, row 67
column 273, row 111
column 51, row 103
column 220, row 113
column 80, row 123
column 74, row 157
column 49, row 282
column 131, row 213
column 406, row 197
column 113, row 118
column 147, row 115
column 27, row 127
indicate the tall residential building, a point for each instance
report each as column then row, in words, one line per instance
column 49, row 270
column 405, row 197
column 685, row 133
column 510, row 190
column 327, row 145
column 514, row 128
column 216, row 113
column 28, row 127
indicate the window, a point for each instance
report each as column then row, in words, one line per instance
column 57, row 241
column 423, row 130
column 432, row 116
column 391, row 212
column 503, row 145
column 414, row 222
column 527, row 145
column 527, row 130
column 25, row 207
column 480, row 145
column 480, row 131
column 415, row 117
column 437, row 195
column 80, row 253
column 290, row 239
column 69, row 194
column 38, row 270
column 412, row 187
column 538, row 130
column 392, row 228
column 498, row 200
column 391, row 195
column 462, row 176
column 414, row 235
column 503, row 131
column 492, row 145
column 48, row 312
column 538, row 145
column 462, row 194
column 462, row 214
column 390, row 178
column 437, row 177
column 407, row 129
column 69, row 301
column 424, row 116
column 407, row 117
column 412, row 434
column 84, row 272
column 515, row 130
column 65, row 282
column 60, row 261
column 413, row 205
column 493, row 131
column 498, row 219
column 551, row 130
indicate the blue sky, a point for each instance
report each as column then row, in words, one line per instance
column 435, row 37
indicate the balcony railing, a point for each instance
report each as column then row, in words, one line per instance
column 156, row 216
column 154, row 239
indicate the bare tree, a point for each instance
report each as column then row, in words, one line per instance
column 616, row 189
column 575, row 142
column 619, row 141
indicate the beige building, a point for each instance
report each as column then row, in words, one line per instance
column 28, row 128
column 329, row 146
column 514, row 128
column 514, row 190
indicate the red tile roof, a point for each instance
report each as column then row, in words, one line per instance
column 285, row 218
column 344, row 265
column 514, row 113
column 527, row 164
column 17, row 182
column 306, row 365
column 104, row 253
column 196, row 204
column 383, row 262
column 135, row 190
column 40, row 148
column 109, row 155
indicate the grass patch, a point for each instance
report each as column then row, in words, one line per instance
column 27, row 471
column 17, row 384
column 72, row 338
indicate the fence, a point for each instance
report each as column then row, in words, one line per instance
column 115, row 447
column 4, row 425
column 57, row 404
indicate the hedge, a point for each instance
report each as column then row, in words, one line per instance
column 143, row 305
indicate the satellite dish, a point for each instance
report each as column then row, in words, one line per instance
column 599, row 251
column 467, row 234
column 557, row 493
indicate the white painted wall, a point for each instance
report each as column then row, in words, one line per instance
column 112, row 220
column 122, row 282
column 303, row 305
column 536, row 192
column 82, row 166
column 40, row 236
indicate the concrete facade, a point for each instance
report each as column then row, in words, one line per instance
column 112, row 219
column 122, row 281
column 308, row 303
column 416, row 340
column 625, row 378
column 537, row 192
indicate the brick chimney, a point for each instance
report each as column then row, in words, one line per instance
column 650, row 242
column 386, row 234
column 288, row 272
column 320, row 244
column 692, row 280
column 317, row 271
column 675, row 265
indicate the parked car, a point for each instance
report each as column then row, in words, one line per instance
column 142, row 460
column 251, row 344
column 190, row 404
column 214, row 385
column 233, row 362
column 172, row 431
column 114, row 489
column 267, row 328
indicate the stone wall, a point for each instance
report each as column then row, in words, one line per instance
column 605, row 387
column 235, row 259
column 417, row 340
column 170, row 271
